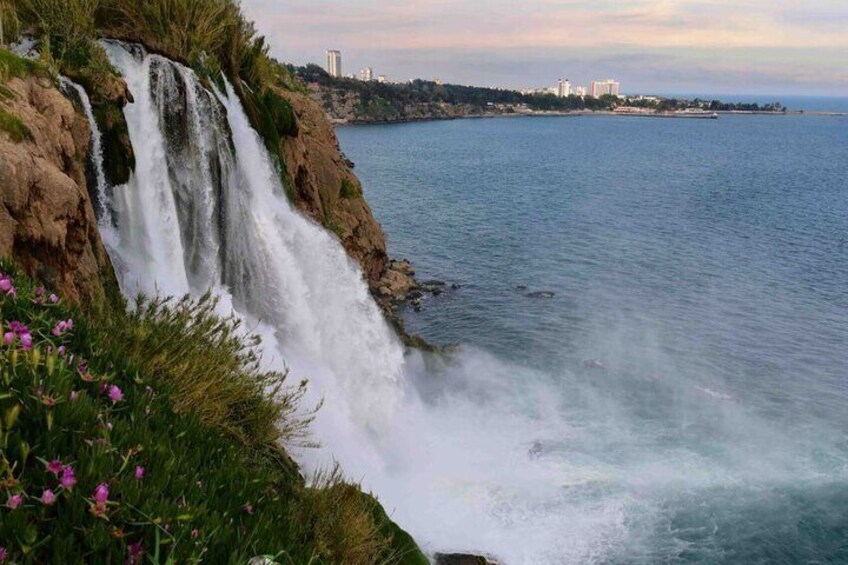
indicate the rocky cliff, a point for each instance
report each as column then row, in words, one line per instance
column 47, row 222
column 349, row 107
column 326, row 189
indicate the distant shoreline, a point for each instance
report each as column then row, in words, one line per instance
column 588, row 113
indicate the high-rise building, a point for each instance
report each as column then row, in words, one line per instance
column 563, row 88
column 580, row 91
column 598, row 88
column 382, row 79
column 334, row 63
column 366, row 74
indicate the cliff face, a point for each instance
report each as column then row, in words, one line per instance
column 47, row 223
column 348, row 107
column 326, row 189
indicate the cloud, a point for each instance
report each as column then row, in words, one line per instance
column 771, row 41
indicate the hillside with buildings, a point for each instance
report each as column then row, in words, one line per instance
column 361, row 98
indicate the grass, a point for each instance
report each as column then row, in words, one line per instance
column 155, row 389
column 12, row 66
column 12, row 125
column 350, row 189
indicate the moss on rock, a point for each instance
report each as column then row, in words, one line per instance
column 118, row 154
column 12, row 125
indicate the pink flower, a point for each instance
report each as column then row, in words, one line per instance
column 101, row 493
column 73, row 396
column 48, row 497
column 14, row 501
column 2, row 554
column 40, row 290
column 7, row 286
column 26, row 341
column 248, row 508
column 136, row 552
column 54, row 299
column 68, row 479
column 61, row 351
column 8, row 338
column 139, row 472
column 115, row 394
column 195, row 533
column 62, row 327
column 55, row 467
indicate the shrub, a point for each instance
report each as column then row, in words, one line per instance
column 213, row 367
column 8, row 22
column 66, row 25
column 104, row 460
column 350, row 189
column 13, row 66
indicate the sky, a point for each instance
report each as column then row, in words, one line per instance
column 789, row 47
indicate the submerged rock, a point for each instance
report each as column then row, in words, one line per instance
column 541, row 294
column 593, row 364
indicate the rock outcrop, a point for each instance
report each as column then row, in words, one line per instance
column 326, row 189
column 463, row 559
column 47, row 222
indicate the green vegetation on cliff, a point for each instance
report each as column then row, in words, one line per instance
column 152, row 435
column 211, row 36
column 13, row 125
column 392, row 101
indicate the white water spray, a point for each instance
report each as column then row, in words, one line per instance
column 493, row 458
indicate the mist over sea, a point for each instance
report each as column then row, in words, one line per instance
column 683, row 396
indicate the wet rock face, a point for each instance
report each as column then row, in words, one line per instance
column 47, row 223
column 463, row 559
column 109, row 94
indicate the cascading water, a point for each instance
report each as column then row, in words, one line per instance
column 104, row 214
column 475, row 454
column 205, row 209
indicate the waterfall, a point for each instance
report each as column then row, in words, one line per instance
column 101, row 186
column 205, row 208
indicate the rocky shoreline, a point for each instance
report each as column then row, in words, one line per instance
column 399, row 288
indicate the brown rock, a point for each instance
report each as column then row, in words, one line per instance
column 327, row 190
column 463, row 559
column 47, row 223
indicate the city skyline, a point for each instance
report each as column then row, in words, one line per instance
column 697, row 46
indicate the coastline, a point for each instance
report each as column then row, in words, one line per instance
column 584, row 113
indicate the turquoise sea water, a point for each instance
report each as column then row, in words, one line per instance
column 697, row 335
